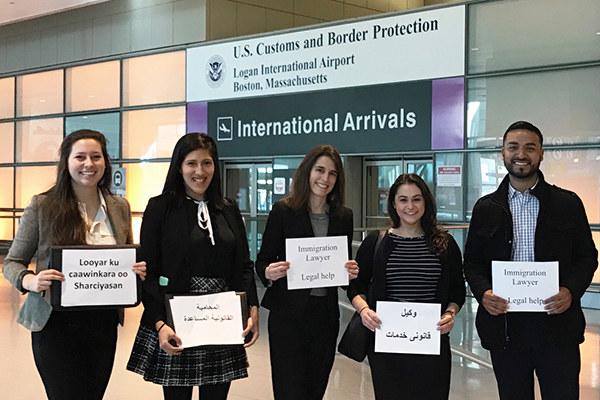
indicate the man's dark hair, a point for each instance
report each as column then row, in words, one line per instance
column 526, row 126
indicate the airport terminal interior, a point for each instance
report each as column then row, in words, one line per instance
column 139, row 72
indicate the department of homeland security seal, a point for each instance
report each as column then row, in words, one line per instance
column 215, row 71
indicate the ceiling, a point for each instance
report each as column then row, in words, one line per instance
column 19, row 10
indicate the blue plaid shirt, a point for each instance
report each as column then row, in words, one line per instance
column 524, row 208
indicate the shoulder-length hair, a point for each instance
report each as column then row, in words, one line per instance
column 174, row 184
column 60, row 206
column 437, row 238
column 300, row 190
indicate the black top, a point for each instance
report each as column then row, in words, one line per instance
column 283, row 223
column 167, row 246
column 412, row 272
column 212, row 261
column 450, row 286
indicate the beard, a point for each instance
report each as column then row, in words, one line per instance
column 516, row 171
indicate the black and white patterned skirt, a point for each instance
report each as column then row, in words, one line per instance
column 192, row 367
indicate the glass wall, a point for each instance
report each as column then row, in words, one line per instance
column 51, row 104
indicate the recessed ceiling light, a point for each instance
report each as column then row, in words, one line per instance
column 475, row 49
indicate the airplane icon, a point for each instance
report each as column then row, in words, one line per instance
column 224, row 128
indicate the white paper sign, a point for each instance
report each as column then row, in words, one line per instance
column 317, row 262
column 98, row 277
column 210, row 319
column 525, row 284
column 408, row 328
column 449, row 176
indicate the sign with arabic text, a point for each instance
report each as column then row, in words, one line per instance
column 408, row 328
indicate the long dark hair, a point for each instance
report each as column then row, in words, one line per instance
column 60, row 207
column 300, row 191
column 437, row 238
column 174, row 184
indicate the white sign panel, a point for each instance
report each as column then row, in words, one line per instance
column 317, row 262
column 525, row 284
column 211, row 319
column 408, row 328
column 98, row 277
column 449, row 176
column 400, row 48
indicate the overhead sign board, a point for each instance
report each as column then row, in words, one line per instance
column 400, row 48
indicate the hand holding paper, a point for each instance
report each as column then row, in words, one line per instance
column 167, row 336
column 277, row 270
column 493, row 304
column 560, row 302
column 42, row 280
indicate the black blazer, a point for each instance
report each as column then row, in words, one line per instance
column 283, row 223
column 165, row 242
column 451, row 286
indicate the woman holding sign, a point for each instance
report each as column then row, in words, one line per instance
column 73, row 350
column 304, row 323
column 415, row 261
column 194, row 241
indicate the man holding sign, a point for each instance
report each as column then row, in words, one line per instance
column 529, row 221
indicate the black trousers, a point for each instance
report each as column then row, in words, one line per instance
column 302, row 352
column 557, row 369
column 207, row 392
column 412, row 376
column 74, row 353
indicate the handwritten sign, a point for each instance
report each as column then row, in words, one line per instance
column 98, row 277
column 525, row 284
column 210, row 319
column 408, row 328
column 317, row 262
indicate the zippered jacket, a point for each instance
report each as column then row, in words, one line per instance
column 562, row 234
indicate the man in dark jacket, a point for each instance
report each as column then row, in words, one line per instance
column 526, row 219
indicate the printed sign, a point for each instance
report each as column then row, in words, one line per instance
column 98, row 277
column 317, row 262
column 408, row 328
column 356, row 120
column 210, row 319
column 398, row 48
column 449, row 176
column 525, row 284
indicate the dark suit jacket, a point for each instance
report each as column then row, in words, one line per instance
column 284, row 223
column 165, row 241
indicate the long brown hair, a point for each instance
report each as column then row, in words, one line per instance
column 60, row 207
column 300, row 191
column 437, row 238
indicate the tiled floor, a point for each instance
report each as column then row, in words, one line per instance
column 349, row 380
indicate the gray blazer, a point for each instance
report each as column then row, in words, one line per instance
column 33, row 235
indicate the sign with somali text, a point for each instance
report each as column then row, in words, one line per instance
column 408, row 328
column 209, row 319
column 525, row 284
column 98, row 277
column 397, row 48
column 317, row 262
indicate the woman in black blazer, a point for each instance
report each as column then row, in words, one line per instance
column 194, row 241
column 416, row 261
column 304, row 323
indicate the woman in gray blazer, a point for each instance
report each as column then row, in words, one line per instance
column 73, row 351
